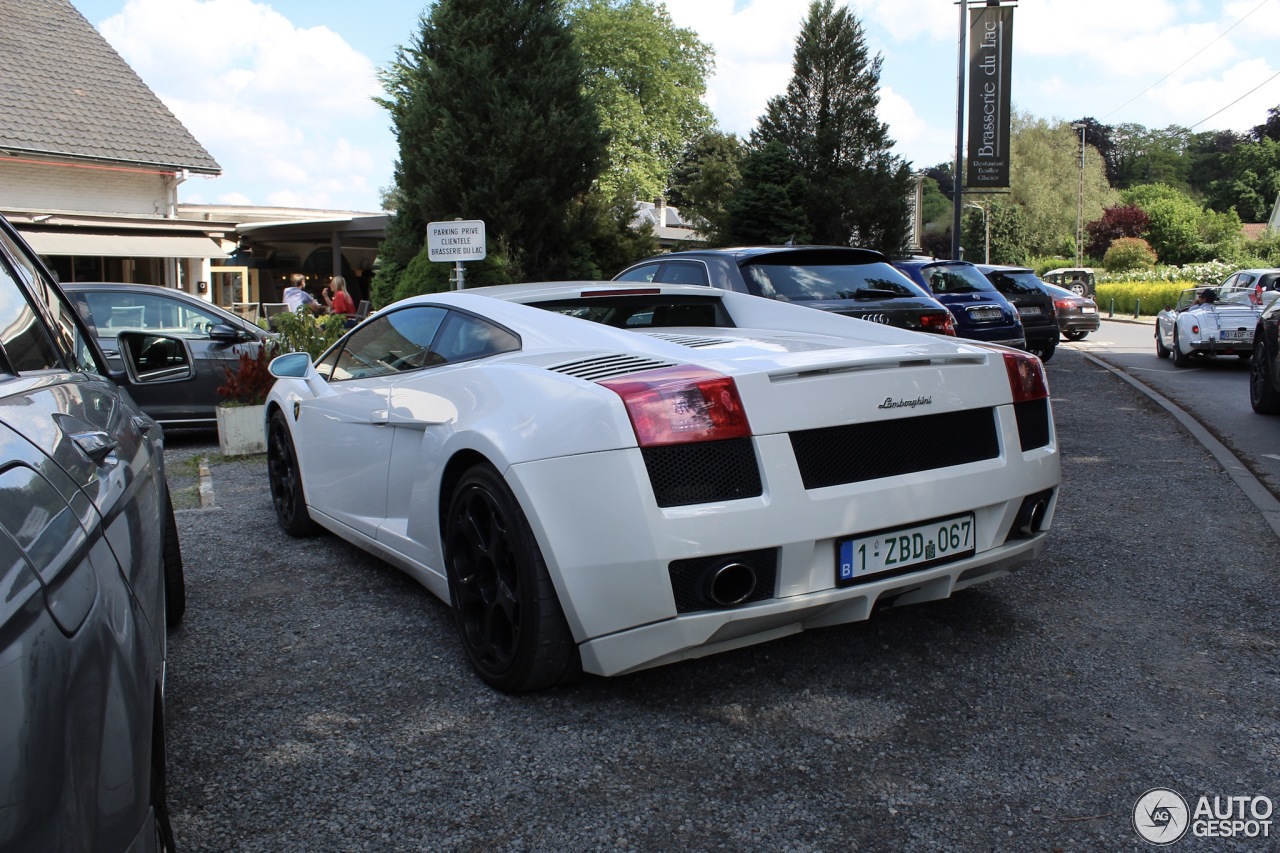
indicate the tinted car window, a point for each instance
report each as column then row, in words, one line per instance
column 27, row 345
column 1014, row 282
column 683, row 273
column 463, row 337
column 640, row 312
column 394, row 342
column 801, row 282
column 641, row 273
column 956, row 279
column 142, row 312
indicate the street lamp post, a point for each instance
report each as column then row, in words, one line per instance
column 986, row 227
column 1080, row 126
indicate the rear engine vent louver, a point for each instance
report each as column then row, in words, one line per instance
column 608, row 366
column 690, row 341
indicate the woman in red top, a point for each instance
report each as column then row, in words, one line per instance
column 337, row 298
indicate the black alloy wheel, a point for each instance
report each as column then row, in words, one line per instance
column 286, row 481
column 504, row 604
column 1263, row 395
column 175, row 584
column 1075, row 335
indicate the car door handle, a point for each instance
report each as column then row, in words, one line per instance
column 141, row 424
column 95, row 444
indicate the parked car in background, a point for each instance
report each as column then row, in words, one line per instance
column 1264, row 372
column 612, row 476
column 215, row 337
column 852, row 282
column 1210, row 321
column 1079, row 280
column 1035, row 306
column 1261, row 280
column 1077, row 315
column 91, row 573
column 981, row 312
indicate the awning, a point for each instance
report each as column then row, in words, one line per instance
column 122, row 245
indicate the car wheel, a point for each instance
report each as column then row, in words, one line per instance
column 1047, row 351
column 175, row 584
column 1075, row 335
column 159, row 796
column 505, row 607
column 1180, row 359
column 286, row 481
column 1078, row 290
column 1162, row 351
column 1262, row 392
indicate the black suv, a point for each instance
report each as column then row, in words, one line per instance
column 853, row 282
column 1020, row 286
column 91, row 573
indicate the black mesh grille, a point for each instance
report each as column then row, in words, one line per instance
column 1033, row 423
column 683, row 474
column 851, row 454
column 691, row 579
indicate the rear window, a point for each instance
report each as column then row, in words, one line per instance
column 644, row 311
column 958, row 278
column 1015, row 283
column 814, row 281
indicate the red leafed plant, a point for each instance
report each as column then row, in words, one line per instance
column 249, row 381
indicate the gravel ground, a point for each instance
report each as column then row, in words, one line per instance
column 319, row 700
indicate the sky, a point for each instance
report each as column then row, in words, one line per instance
column 280, row 92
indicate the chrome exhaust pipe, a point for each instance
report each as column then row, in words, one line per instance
column 731, row 584
column 1036, row 517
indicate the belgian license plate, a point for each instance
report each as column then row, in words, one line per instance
column 985, row 313
column 930, row 543
column 1235, row 334
column 1032, row 311
column 1088, row 309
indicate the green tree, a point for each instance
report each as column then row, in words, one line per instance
column 488, row 106
column 1045, row 183
column 1173, row 228
column 647, row 77
column 855, row 190
column 1008, row 243
column 1147, row 156
column 1252, row 180
column 768, row 206
column 705, row 180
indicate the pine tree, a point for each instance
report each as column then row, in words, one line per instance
column 488, row 107
column 855, row 189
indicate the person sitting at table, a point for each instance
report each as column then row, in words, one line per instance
column 297, row 298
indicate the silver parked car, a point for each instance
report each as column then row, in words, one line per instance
column 215, row 337
column 90, row 575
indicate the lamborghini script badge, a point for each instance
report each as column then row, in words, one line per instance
column 890, row 403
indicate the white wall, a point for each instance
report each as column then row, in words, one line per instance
column 26, row 186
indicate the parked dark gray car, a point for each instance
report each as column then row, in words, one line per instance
column 90, row 576
column 1027, row 293
column 215, row 337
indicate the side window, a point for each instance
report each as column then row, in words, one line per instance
column 26, row 342
column 118, row 312
column 645, row 272
column 46, row 291
column 391, row 343
column 465, row 337
column 683, row 273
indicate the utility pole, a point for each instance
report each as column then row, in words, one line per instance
column 1080, row 126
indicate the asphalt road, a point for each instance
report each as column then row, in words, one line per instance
column 318, row 699
column 1215, row 391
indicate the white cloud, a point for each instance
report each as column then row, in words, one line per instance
column 270, row 101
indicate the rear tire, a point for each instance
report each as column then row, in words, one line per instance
column 1263, row 395
column 504, row 604
column 1047, row 351
column 1075, row 335
column 175, row 584
column 287, row 495
column 1162, row 351
column 1180, row 359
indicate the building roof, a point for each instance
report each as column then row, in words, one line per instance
column 67, row 93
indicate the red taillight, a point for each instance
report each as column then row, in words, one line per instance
column 1195, row 328
column 1063, row 304
column 1026, row 376
column 678, row 405
column 939, row 324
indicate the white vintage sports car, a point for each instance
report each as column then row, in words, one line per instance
column 1209, row 321
column 609, row 478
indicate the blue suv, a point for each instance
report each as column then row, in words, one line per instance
column 980, row 311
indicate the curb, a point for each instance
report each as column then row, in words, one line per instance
column 1252, row 487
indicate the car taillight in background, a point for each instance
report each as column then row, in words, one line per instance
column 941, row 323
column 1026, row 377
column 680, row 405
column 1063, row 304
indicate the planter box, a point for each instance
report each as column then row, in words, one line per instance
column 241, row 430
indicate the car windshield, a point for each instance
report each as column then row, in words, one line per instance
column 643, row 311
column 807, row 282
column 956, row 278
column 1015, row 282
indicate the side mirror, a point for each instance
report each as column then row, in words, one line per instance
column 291, row 365
column 223, row 332
column 152, row 358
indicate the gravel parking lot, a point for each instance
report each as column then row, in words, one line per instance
column 318, row 699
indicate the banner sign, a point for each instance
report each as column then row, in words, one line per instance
column 990, row 69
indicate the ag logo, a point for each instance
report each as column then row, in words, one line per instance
column 1160, row 816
